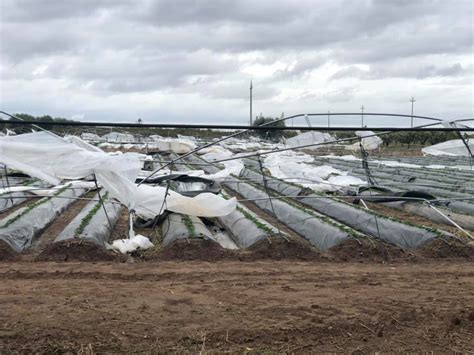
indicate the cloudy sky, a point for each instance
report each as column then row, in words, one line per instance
column 191, row 61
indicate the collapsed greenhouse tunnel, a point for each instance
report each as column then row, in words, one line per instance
column 440, row 214
column 303, row 221
column 425, row 205
column 457, row 206
column 96, row 226
column 182, row 165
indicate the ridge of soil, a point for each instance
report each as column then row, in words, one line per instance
column 367, row 250
column 7, row 253
column 278, row 248
column 76, row 250
column 194, row 249
column 440, row 248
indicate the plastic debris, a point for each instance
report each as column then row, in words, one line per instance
column 130, row 245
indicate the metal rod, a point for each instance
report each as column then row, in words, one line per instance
column 451, row 221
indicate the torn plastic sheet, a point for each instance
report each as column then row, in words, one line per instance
column 97, row 228
column 187, row 185
column 52, row 159
column 307, row 138
column 453, row 147
column 369, row 140
column 147, row 201
column 294, row 167
column 230, row 167
column 129, row 245
column 83, row 144
column 178, row 146
column 20, row 228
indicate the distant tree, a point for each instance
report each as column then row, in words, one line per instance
column 27, row 117
column 270, row 134
column 139, row 121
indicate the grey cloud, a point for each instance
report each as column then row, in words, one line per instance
column 45, row 10
column 399, row 69
column 178, row 12
column 108, row 47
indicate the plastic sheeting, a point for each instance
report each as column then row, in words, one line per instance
column 21, row 232
column 465, row 221
column 178, row 146
column 369, row 141
column 52, row 159
column 8, row 200
column 97, row 229
column 230, row 167
column 245, row 230
column 149, row 201
column 453, row 147
column 321, row 234
column 396, row 233
column 297, row 168
column 115, row 137
column 125, row 246
column 306, row 138
column 174, row 228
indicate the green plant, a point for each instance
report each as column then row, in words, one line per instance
column 255, row 221
column 189, row 224
column 86, row 220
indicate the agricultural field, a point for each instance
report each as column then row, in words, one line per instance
column 244, row 245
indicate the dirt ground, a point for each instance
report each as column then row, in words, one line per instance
column 244, row 307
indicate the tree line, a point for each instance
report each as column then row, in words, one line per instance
column 406, row 139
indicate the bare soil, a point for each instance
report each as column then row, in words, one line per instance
column 192, row 249
column 76, row 250
column 279, row 248
column 230, row 306
column 7, row 253
column 446, row 248
column 368, row 250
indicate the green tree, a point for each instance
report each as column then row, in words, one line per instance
column 273, row 135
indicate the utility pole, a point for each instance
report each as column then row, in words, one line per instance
column 251, row 87
column 412, row 102
column 329, row 119
column 362, row 109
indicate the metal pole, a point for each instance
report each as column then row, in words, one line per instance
column 412, row 102
column 329, row 119
column 362, row 109
column 251, row 87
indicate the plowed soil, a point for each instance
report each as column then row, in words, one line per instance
column 232, row 306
